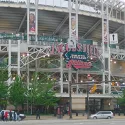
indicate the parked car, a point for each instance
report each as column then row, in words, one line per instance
column 102, row 115
column 21, row 116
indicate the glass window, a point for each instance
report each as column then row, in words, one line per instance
column 106, row 112
column 99, row 113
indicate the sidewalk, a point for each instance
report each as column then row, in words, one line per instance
column 66, row 117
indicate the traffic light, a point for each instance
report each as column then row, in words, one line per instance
column 92, row 90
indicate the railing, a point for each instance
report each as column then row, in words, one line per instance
column 47, row 41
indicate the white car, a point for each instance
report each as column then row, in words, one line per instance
column 102, row 115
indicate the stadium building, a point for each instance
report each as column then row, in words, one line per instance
column 79, row 42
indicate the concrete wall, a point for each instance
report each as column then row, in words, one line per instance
column 78, row 103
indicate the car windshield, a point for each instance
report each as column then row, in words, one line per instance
column 99, row 113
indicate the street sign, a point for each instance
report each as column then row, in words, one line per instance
column 71, row 43
column 114, row 38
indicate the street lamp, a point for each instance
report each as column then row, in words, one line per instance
column 87, row 100
column 89, row 78
column 70, row 101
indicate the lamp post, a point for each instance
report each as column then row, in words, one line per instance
column 70, row 101
column 88, row 109
column 87, row 100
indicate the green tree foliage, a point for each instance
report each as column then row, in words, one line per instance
column 121, row 100
column 3, row 88
column 41, row 91
column 17, row 92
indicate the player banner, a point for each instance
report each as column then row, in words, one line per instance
column 73, row 26
column 32, row 23
column 105, row 31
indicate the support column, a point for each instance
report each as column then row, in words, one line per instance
column 18, row 69
column 109, row 51
column 27, row 66
column 77, row 9
column 9, row 63
column 72, row 34
column 103, row 49
column 106, row 45
column 77, row 76
column 70, row 93
column 28, row 12
column 36, row 30
column 70, row 16
column 61, row 73
column 36, row 21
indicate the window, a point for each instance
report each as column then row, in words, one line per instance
column 106, row 112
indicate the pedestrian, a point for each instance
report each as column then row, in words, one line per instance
column 6, row 116
column 18, row 117
column 10, row 114
column 14, row 116
column 2, row 115
column 38, row 114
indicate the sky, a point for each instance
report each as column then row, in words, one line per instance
column 61, row 3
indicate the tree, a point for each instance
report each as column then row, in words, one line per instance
column 41, row 91
column 17, row 92
column 49, row 98
column 3, row 88
column 121, row 100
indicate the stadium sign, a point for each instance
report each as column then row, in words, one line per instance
column 91, row 50
column 78, row 57
column 77, row 60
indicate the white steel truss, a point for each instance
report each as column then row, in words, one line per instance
column 32, row 56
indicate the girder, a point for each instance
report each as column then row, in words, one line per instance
column 92, row 28
column 37, row 51
column 117, row 54
column 45, row 51
column 118, row 29
column 116, row 4
column 29, row 57
column 61, row 24
column 121, row 41
column 21, row 23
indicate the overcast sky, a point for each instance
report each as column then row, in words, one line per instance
column 58, row 1
column 62, row 3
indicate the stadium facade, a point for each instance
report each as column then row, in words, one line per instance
column 36, row 35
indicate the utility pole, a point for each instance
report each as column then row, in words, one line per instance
column 87, row 100
column 70, row 101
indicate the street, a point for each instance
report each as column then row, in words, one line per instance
column 67, row 122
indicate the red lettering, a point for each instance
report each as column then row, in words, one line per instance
column 79, row 47
column 91, row 50
column 60, row 48
column 84, row 48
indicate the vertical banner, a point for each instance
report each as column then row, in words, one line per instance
column 73, row 26
column 105, row 31
column 32, row 23
column 72, row 39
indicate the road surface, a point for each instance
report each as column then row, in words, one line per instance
column 67, row 122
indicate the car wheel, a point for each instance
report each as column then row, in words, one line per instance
column 108, row 117
column 94, row 117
